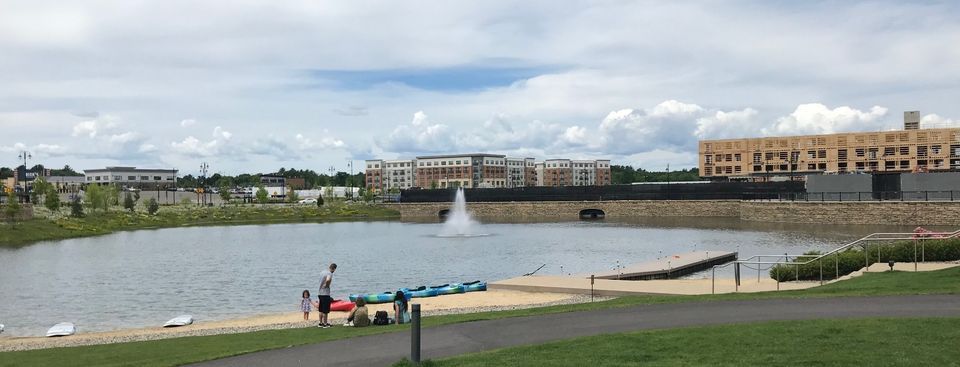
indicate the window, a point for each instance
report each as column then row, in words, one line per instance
column 89, row 178
column 756, row 168
column 905, row 150
column 811, row 154
column 842, row 155
column 889, row 151
column 904, row 164
column 131, row 178
column 860, row 152
column 921, row 151
column 872, row 153
column 708, row 159
column 156, row 178
column 769, row 156
column 860, row 166
column 117, row 178
column 822, row 154
column 935, row 149
column 756, row 157
column 811, row 166
column 144, row 178
column 98, row 178
column 822, row 166
column 783, row 156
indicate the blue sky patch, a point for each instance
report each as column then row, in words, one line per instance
column 449, row 79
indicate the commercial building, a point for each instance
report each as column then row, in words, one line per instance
column 481, row 170
column 132, row 177
column 794, row 157
column 66, row 184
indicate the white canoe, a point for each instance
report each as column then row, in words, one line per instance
column 62, row 329
column 181, row 320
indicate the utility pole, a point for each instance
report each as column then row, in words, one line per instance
column 203, row 177
column 350, row 163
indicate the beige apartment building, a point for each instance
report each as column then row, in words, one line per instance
column 481, row 170
column 909, row 150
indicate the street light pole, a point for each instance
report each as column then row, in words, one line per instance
column 203, row 178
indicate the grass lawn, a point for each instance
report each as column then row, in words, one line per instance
column 171, row 352
column 863, row 342
column 60, row 226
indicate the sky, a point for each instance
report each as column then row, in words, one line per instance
column 252, row 86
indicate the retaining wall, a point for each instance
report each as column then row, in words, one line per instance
column 892, row 213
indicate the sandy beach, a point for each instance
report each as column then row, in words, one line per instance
column 493, row 300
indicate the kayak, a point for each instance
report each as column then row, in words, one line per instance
column 341, row 305
column 62, row 329
column 181, row 320
column 476, row 286
column 449, row 289
column 385, row 297
column 419, row 292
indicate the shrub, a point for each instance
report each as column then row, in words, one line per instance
column 128, row 202
column 854, row 259
column 152, row 206
column 76, row 207
column 320, row 201
column 52, row 199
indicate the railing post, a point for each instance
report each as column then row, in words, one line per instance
column 797, row 276
column 836, row 261
column 821, row 270
column 758, row 270
column 415, row 334
column 736, row 276
column 914, row 254
column 713, row 280
column 866, row 259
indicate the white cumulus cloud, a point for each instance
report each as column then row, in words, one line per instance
column 816, row 118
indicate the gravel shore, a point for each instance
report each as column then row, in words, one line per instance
column 274, row 322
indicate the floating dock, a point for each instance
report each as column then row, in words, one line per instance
column 669, row 267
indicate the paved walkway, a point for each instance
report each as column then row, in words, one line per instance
column 456, row 339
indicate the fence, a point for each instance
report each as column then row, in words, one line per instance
column 659, row 191
column 868, row 196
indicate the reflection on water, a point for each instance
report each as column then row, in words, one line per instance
column 143, row 278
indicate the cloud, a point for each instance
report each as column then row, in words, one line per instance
column 352, row 111
column 91, row 128
column 420, row 135
column 934, row 121
column 187, row 122
column 815, row 118
column 220, row 133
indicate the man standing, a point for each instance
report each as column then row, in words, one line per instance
column 324, row 295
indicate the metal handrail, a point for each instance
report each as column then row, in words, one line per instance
column 874, row 237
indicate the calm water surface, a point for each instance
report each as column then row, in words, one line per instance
column 143, row 278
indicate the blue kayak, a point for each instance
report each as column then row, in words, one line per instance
column 449, row 289
column 476, row 286
column 419, row 292
column 385, row 297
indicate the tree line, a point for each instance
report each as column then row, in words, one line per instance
column 625, row 175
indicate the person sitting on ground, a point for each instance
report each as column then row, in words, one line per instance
column 359, row 316
column 400, row 308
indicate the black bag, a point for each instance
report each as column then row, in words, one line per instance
column 381, row 318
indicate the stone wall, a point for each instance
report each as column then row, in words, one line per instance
column 893, row 212
column 886, row 212
column 571, row 209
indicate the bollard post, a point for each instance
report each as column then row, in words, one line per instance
column 415, row 334
column 591, row 287
column 713, row 280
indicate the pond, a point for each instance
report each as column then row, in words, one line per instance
column 143, row 278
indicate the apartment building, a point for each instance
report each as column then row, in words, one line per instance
column 480, row 170
column 909, row 150
column 386, row 175
column 521, row 172
column 462, row 170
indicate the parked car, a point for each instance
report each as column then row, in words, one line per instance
column 308, row 201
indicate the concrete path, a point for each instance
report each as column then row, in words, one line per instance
column 456, row 339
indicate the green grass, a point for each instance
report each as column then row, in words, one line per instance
column 863, row 342
column 58, row 226
column 195, row 349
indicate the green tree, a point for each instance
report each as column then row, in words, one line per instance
column 225, row 194
column 367, row 195
column 52, row 199
column 152, row 206
column 96, row 197
column 433, row 184
column 262, row 196
column 76, row 207
column 12, row 209
column 39, row 189
column 128, row 202
column 112, row 194
column 292, row 196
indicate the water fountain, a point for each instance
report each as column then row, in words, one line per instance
column 459, row 223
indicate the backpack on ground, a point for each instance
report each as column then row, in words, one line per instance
column 381, row 318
